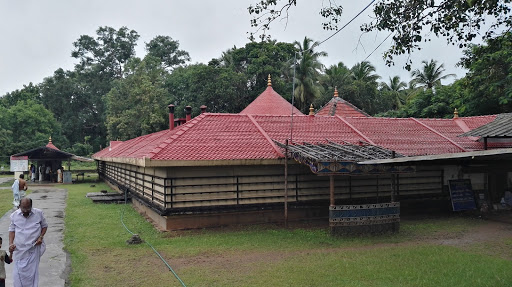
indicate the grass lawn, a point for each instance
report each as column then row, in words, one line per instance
column 268, row 255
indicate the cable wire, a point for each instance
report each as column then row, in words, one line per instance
column 377, row 47
column 357, row 15
column 154, row 250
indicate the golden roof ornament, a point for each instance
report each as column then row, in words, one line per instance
column 311, row 110
column 269, row 81
column 335, row 92
column 50, row 139
column 455, row 114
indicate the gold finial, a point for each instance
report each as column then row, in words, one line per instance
column 269, row 81
column 311, row 110
column 455, row 114
column 335, row 92
column 50, row 139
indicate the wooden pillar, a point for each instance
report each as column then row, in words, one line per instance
column 331, row 190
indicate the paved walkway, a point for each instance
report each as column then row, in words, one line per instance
column 54, row 264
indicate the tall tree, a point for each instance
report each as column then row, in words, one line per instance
column 221, row 89
column 336, row 76
column 307, row 72
column 395, row 88
column 109, row 52
column 61, row 95
column 167, row 50
column 489, row 81
column 363, row 90
column 28, row 124
column 430, row 74
column 101, row 61
column 136, row 105
column 29, row 92
column 410, row 22
column 256, row 61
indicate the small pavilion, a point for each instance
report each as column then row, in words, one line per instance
column 50, row 157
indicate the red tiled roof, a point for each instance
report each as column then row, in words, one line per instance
column 50, row 145
column 270, row 103
column 452, row 128
column 343, row 109
column 307, row 129
column 243, row 136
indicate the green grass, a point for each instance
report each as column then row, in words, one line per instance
column 82, row 165
column 267, row 255
column 5, row 200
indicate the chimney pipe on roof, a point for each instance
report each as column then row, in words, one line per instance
column 188, row 113
column 171, row 116
column 203, row 109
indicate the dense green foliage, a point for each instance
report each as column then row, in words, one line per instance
column 111, row 94
column 409, row 22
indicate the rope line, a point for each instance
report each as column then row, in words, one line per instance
column 154, row 250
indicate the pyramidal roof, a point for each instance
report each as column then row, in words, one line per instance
column 339, row 107
column 50, row 144
column 270, row 103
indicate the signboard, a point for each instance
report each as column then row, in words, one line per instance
column 19, row 163
column 461, row 194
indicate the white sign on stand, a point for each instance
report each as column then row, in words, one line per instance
column 19, row 163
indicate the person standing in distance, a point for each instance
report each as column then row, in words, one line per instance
column 18, row 190
column 26, row 232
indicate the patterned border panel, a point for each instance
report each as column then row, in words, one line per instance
column 364, row 214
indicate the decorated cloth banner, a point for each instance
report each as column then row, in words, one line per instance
column 364, row 214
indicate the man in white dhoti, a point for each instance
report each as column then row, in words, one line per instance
column 41, row 169
column 18, row 190
column 26, row 232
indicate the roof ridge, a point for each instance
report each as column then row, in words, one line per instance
column 260, row 129
column 439, row 134
column 356, row 130
column 464, row 127
column 125, row 144
column 183, row 128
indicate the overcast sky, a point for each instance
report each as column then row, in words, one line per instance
column 38, row 35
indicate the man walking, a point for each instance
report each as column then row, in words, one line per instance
column 18, row 190
column 26, row 232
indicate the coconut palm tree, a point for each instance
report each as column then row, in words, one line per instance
column 363, row 89
column 396, row 88
column 430, row 75
column 337, row 76
column 307, row 71
column 364, row 72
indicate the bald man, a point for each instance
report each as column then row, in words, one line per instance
column 26, row 232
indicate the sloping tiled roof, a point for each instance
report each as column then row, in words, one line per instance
column 242, row 136
column 500, row 127
column 452, row 128
column 339, row 107
column 50, row 145
column 270, row 103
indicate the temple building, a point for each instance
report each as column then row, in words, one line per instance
column 220, row 169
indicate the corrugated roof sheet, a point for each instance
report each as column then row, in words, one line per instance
column 500, row 127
